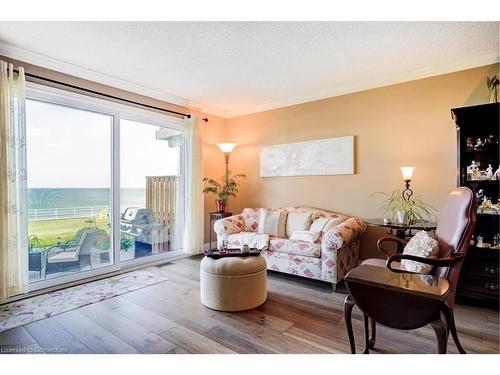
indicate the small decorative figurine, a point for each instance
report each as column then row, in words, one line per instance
column 479, row 241
column 473, row 171
column 469, row 143
column 489, row 140
column 496, row 175
column 480, row 195
column 479, row 144
column 489, row 172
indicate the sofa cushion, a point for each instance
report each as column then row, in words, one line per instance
column 252, row 239
column 305, row 235
column 272, row 222
column 282, row 245
column 297, row 221
column 250, row 219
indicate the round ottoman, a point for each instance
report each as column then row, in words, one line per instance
column 233, row 283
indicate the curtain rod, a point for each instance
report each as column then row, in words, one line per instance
column 103, row 94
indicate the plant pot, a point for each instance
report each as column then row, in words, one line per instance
column 220, row 205
column 401, row 217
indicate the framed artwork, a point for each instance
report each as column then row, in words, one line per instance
column 328, row 156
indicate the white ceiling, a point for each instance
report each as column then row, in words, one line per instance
column 234, row 68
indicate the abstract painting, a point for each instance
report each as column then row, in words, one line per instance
column 328, row 156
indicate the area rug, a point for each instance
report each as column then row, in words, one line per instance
column 22, row 312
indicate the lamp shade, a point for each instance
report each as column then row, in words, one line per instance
column 407, row 173
column 226, row 147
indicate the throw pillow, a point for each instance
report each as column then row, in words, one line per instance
column 297, row 221
column 332, row 223
column 272, row 222
column 421, row 245
column 305, row 235
column 250, row 219
column 319, row 224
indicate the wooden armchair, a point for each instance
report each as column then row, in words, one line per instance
column 454, row 233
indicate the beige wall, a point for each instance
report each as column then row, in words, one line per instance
column 408, row 124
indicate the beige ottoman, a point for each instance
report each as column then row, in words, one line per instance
column 233, row 283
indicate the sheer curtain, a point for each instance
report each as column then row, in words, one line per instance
column 193, row 186
column 13, row 187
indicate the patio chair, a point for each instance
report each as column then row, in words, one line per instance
column 70, row 254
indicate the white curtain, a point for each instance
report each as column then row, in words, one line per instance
column 193, row 186
column 13, row 188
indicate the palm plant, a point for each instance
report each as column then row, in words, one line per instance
column 416, row 210
column 228, row 186
column 34, row 242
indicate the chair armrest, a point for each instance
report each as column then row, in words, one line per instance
column 229, row 225
column 381, row 241
column 436, row 262
column 53, row 251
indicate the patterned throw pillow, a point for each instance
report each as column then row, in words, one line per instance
column 421, row 245
column 250, row 219
column 297, row 221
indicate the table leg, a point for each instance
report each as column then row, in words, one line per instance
column 348, row 306
column 441, row 330
column 366, row 350
column 373, row 328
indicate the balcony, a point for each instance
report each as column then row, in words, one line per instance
column 67, row 240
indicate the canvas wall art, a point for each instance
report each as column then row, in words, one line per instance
column 329, row 156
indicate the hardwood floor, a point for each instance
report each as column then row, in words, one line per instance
column 300, row 316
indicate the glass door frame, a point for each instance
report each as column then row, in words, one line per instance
column 117, row 111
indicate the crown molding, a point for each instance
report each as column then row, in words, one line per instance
column 377, row 82
column 374, row 83
column 87, row 74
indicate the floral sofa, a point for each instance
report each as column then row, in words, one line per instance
column 328, row 259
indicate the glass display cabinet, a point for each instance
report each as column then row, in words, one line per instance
column 478, row 169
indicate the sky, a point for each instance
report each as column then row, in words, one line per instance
column 71, row 148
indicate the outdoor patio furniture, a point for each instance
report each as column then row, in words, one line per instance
column 60, row 258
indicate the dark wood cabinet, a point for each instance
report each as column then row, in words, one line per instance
column 478, row 137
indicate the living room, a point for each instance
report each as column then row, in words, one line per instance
column 250, row 187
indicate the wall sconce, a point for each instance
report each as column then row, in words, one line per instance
column 407, row 173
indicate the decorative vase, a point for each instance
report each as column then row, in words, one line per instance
column 220, row 205
column 401, row 217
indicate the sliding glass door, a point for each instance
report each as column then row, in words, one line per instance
column 150, row 190
column 104, row 186
column 69, row 190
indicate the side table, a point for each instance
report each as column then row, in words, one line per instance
column 402, row 231
column 214, row 216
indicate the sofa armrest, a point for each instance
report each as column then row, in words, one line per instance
column 342, row 234
column 229, row 225
column 340, row 249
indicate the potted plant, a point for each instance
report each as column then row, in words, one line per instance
column 36, row 249
column 404, row 211
column 227, row 187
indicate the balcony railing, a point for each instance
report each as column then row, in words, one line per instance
column 39, row 214
column 161, row 199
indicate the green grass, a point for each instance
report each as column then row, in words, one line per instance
column 52, row 231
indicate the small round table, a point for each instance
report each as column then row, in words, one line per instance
column 401, row 230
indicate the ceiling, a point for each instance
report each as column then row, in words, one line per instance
column 235, row 68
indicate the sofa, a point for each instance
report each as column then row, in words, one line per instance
column 328, row 257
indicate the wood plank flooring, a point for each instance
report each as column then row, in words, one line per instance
column 300, row 316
